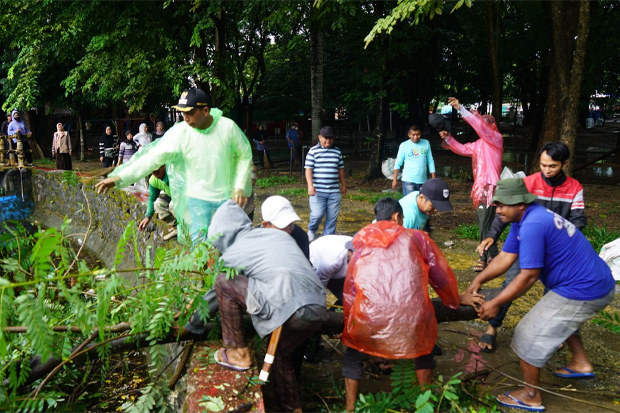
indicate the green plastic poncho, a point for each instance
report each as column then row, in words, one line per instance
column 202, row 165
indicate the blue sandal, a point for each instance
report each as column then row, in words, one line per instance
column 518, row 404
column 573, row 374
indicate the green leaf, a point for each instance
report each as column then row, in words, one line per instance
column 422, row 399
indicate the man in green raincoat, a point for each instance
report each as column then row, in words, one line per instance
column 208, row 160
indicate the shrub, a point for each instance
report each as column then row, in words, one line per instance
column 599, row 236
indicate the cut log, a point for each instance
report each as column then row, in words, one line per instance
column 335, row 321
column 333, row 325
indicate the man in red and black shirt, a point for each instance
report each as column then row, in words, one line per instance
column 556, row 192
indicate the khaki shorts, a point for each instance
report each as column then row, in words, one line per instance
column 549, row 323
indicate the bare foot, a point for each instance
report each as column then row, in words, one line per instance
column 577, row 367
column 533, row 400
column 235, row 357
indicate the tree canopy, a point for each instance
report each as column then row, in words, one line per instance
column 257, row 55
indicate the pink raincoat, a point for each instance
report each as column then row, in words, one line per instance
column 486, row 153
column 387, row 310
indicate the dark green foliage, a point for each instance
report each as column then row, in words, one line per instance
column 471, row 231
column 407, row 396
column 599, row 236
column 468, row 231
column 293, row 192
column 608, row 320
column 35, row 292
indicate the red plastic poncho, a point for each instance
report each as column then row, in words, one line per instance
column 387, row 310
column 486, row 153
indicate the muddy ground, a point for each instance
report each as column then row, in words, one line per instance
column 458, row 339
column 322, row 382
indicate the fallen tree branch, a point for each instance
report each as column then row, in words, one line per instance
column 334, row 324
column 74, row 353
column 187, row 351
column 38, row 369
column 117, row 328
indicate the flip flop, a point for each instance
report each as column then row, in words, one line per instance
column 573, row 374
column 226, row 363
column 490, row 340
column 480, row 266
column 518, row 404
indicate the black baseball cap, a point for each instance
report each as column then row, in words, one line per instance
column 437, row 191
column 439, row 122
column 327, row 132
column 192, row 98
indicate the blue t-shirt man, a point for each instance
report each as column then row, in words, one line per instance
column 434, row 196
column 569, row 265
column 413, row 218
column 415, row 154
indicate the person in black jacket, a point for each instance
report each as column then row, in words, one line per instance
column 260, row 138
column 5, row 128
column 106, row 148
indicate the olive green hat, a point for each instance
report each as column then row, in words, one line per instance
column 512, row 191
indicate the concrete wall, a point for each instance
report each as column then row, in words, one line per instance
column 55, row 200
column 109, row 215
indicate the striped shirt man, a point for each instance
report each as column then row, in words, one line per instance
column 326, row 183
column 325, row 163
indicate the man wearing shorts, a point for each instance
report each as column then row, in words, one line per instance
column 549, row 248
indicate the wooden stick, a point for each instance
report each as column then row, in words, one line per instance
column 271, row 352
column 266, row 160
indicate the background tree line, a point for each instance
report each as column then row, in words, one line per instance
column 363, row 58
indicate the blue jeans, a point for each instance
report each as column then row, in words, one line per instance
column 410, row 187
column 201, row 212
column 324, row 204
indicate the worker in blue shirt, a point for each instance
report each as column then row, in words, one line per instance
column 433, row 196
column 416, row 155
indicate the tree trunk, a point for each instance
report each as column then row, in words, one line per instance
column 81, row 131
column 377, row 136
column 570, row 22
column 537, row 111
column 37, row 153
column 376, row 148
column 334, row 323
column 316, row 76
column 493, row 48
column 220, row 47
